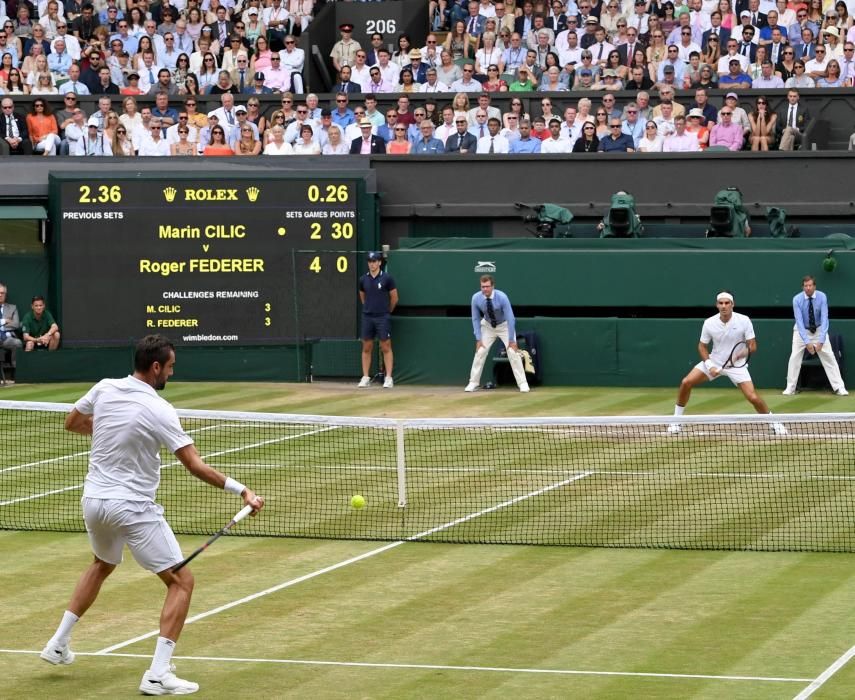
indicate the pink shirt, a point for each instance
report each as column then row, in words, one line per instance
column 366, row 147
column 727, row 135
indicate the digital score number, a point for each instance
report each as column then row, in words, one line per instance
column 208, row 261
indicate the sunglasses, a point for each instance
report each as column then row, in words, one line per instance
column 121, row 131
column 397, row 129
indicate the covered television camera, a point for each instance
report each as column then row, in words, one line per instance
column 552, row 220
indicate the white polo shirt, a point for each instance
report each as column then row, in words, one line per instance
column 131, row 422
column 725, row 335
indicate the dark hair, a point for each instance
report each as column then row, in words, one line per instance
column 37, row 297
column 151, row 349
column 808, row 278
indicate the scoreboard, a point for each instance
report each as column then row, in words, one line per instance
column 207, row 261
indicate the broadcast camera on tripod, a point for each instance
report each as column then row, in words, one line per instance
column 552, row 221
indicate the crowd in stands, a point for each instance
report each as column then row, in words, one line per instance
column 132, row 53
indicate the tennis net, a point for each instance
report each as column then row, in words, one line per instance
column 723, row 482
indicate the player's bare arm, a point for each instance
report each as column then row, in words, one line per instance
column 752, row 345
column 77, row 422
column 193, row 462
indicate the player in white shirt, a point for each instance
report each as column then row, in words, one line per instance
column 129, row 422
column 724, row 331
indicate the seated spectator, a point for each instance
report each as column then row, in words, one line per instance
column 695, row 124
column 122, row 144
column 306, row 144
column 587, row 141
column 735, row 79
column 651, row 142
column 493, row 141
column 682, row 140
column 740, row 116
column 43, row 129
column 218, row 145
column 832, row 77
column 526, row 143
column 727, row 132
column 427, row 143
column 524, row 81
column 767, row 79
column 494, row 83
column 10, row 327
column 763, row 123
column 154, row 144
column 335, row 145
column 223, row 85
column 467, row 83
column 794, row 119
column 461, row 141
column 800, row 78
column 247, row 143
column 13, row 129
column 616, row 141
column 279, row 79
column 39, row 327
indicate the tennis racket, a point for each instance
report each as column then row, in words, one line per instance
column 739, row 356
column 246, row 510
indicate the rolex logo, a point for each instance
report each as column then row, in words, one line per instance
column 169, row 193
column 252, row 193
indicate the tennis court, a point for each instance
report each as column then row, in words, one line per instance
column 289, row 617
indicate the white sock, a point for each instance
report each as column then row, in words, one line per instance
column 162, row 656
column 63, row 633
column 678, row 410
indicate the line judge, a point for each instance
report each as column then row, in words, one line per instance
column 493, row 317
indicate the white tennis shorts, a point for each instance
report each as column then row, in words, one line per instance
column 737, row 375
column 112, row 524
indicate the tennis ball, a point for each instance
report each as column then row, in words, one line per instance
column 357, row 502
column 829, row 264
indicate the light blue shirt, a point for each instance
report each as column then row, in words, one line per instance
column 431, row 147
column 820, row 315
column 501, row 308
column 59, row 62
column 529, row 145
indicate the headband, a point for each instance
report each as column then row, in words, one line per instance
column 725, row 296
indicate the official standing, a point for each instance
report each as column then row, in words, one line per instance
column 493, row 317
column 810, row 308
column 379, row 297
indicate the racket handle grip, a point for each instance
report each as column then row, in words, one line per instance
column 246, row 510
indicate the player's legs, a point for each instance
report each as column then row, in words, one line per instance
column 794, row 366
column 488, row 337
column 179, row 591
column 694, row 378
column 750, row 393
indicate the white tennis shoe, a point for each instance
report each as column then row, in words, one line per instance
column 788, row 392
column 364, row 382
column 167, row 684
column 675, row 429
column 56, row 655
column 388, row 383
column 524, row 388
column 471, row 386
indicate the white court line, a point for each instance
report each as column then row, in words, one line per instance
column 820, row 680
column 175, row 463
column 86, row 452
column 346, row 562
column 443, row 667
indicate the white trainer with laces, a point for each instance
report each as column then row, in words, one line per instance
column 471, row 386
column 364, row 382
column 780, row 429
column 674, row 429
column 167, row 684
column 388, row 383
column 57, row 655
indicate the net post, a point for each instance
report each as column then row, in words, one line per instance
column 401, row 464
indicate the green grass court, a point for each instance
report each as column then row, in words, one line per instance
column 329, row 618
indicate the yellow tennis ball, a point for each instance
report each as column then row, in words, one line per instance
column 357, row 502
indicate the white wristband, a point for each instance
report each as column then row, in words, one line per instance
column 232, row 486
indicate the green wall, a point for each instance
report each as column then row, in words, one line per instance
column 588, row 351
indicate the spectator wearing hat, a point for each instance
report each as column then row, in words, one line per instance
column 257, row 86
column 368, row 143
column 735, row 79
column 834, row 49
column 589, row 35
column 133, row 86
column 418, row 68
column 695, row 124
column 92, row 143
column 344, row 50
column 609, row 81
